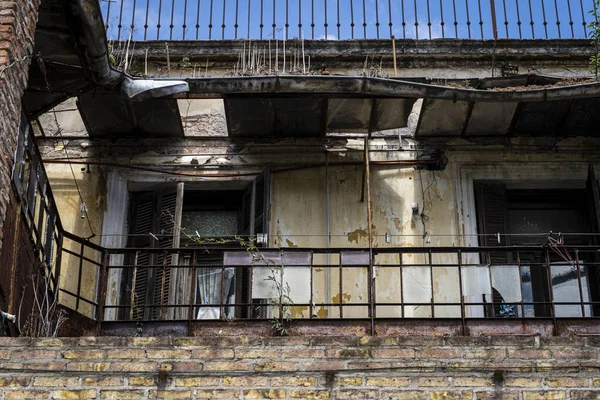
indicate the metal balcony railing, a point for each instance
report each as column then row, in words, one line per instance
column 345, row 19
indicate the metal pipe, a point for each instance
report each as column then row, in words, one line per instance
column 328, row 223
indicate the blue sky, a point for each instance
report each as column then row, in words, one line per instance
column 409, row 11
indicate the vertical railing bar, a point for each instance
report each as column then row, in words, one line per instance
column 192, row 298
column 287, row 19
column 429, row 18
column 223, row 20
column 249, row 8
column 120, row 21
column 163, row 284
column 251, row 288
column 132, row 300
column 274, row 24
column 133, row 19
column 106, row 24
column 146, row 20
column 158, row 20
column 198, row 20
column 401, row 285
column 171, row 26
column 521, row 283
column 339, row 36
column 210, row 24
column 455, row 20
column 505, row 18
column 416, row 20
column 531, row 20
column 430, row 256
column 460, row 288
column 300, row 33
column 468, row 19
column 578, row 266
column 390, row 18
column 550, row 289
column 442, row 23
column 340, row 297
column 583, row 19
column 184, row 26
column 221, row 305
column 544, row 16
column 312, row 24
column 326, row 24
column 403, row 22
column 557, row 20
column 571, row 19
column 81, row 252
column 491, row 278
column 352, row 19
column 237, row 12
column 480, row 18
column 102, row 290
column 377, row 17
column 312, row 268
column 364, row 20
column 262, row 25
column 519, row 19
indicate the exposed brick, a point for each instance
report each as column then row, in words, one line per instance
column 102, row 381
column 575, row 353
column 525, row 382
column 387, row 382
column 74, row 394
column 26, row 394
column 207, row 354
column 276, row 366
column 303, row 353
column 228, row 366
column 171, row 354
column 529, row 353
column 300, row 381
column 245, row 381
column 567, row 382
column 242, row 352
column 485, row 353
column 348, row 353
column 472, row 381
column 129, row 354
column 363, row 394
column 497, row 395
column 201, row 381
column 442, row 353
column 55, row 381
column 309, row 394
column 218, row 394
column 170, row 394
column 547, row 395
column 122, row 395
column 451, row 395
column 584, row 394
column 264, row 394
column 393, row 353
column 434, row 381
column 83, row 354
column 350, row 381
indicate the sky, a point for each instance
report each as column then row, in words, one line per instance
column 248, row 14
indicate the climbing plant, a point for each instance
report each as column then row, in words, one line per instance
column 594, row 28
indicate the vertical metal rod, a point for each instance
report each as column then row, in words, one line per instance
column 429, row 18
column 312, row 24
column 210, row 24
column 163, row 284
column 132, row 300
column 403, row 22
column 401, row 254
column 505, row 18
column 120, row 21
column 442, row 23
column 146, row 20
column 583, row 22
column 390, row 18
column 192, row 298
column 377, row 17
column 519, row 19
column 198, row 20
column 364, row 20
column 430, row 256
column 341, row 287
column 578, row 266
column 519, row 266
column 455, row 20
column 557, row 20
column 461, row 293
column 570, row 19
column 287, row 19
column 133, row 19
column 158, row 21
column 184, row 26
column 494, row 22
column 326, row 24
column 550, row 289
column 352, row 18
column 105, row 257
column 328, row 227
column 172, row 17
column 468, row 19
column 394, row 54
column 481, row 18
column 223, row 23
column 371, row 276
column 237, row 13
column 491, row 278
column 545, row 22
column 300, row 33
column 531, row 20
column 80, row 272
column 249, row 8
column 416, row 20
column 338, row 20
column 106, row 24
column 274, row 24
column 221, row 305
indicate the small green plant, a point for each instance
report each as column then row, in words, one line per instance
column 594, row 26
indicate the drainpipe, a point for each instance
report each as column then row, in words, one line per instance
column 96, row 54
column 328, row 223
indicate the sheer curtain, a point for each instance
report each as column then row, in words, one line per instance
column 209, row 292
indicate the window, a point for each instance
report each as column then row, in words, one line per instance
column 157, row 219
column 537, row 276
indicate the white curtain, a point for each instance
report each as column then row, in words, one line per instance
column 209, row 291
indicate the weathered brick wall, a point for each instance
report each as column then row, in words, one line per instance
column 509, row 367
column 17, row 27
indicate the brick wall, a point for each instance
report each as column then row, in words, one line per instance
column 508, row 367
column 17, row 27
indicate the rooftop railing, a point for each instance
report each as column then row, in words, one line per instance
column 346, row 19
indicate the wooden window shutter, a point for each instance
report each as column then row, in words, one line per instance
column 593, row 193
column 492, row 218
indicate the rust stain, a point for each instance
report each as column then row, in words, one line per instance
column 322, row 313
column 290, row 243
column 356, row 235
column 318, row 269
column 345, row 298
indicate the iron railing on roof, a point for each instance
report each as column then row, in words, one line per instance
column 345, row 19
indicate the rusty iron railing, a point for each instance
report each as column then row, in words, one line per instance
column 345, row 19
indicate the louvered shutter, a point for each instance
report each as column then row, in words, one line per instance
column 593, row 193
column 142, row 223
column 261, row 203
column 166, row 205
column 492, row 218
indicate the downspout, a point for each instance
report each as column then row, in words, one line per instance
column 96, row 54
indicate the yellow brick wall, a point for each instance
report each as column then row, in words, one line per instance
column 353, row 368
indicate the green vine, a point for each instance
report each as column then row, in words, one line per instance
column 594, row 26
